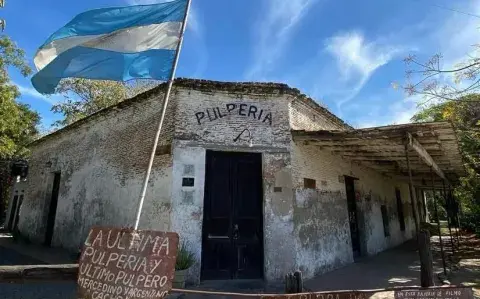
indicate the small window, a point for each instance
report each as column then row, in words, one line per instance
column 401, row 216
column 309, row 183
column 386, row 227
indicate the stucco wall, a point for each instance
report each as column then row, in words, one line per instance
column 309, row 117
column 187, row 202
column 279, row 243
column 195, row 133
column 103, row 160
column 102, row 164
column 217, row 118
column 321, row 216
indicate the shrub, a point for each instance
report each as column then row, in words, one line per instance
column 185, row 258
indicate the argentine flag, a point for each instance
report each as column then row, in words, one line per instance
column 117, row 44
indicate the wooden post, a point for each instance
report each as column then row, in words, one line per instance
column 438, row 224
column 290, row 284
column 299, row 281
column 448, row 204
column 294, row 283
column 410, row 188
column 455, row 215
column 426, row 261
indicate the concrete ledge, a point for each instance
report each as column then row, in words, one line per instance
column 43, row 254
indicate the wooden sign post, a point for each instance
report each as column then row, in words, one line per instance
column 121, row 263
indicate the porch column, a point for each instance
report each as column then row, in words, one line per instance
column 438, row 223
column 455, row 214
column 411, row 190
column 449, row 213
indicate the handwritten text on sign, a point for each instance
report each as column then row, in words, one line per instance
column 427, row 293
column 436, row 293
column 322, row 295
column 122, row 263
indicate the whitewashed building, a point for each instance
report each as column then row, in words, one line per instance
column 258, row 179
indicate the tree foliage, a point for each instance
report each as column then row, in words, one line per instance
column 464, row 114
column 83, row 97
column 18, row 124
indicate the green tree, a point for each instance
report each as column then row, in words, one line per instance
column 18, row 123
column 464, row 113
column 83, row 97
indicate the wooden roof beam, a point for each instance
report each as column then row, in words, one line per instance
column 423, row 154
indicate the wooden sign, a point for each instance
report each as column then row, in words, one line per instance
column 323, row 295
column 119, row 263
column 427, row 293
column 436, row 293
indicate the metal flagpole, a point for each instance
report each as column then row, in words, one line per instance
column 162, row 118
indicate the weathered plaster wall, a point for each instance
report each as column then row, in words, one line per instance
column 310, row 117
column 217, row 118
column 102, row 163
column 216, row 129
column 279, row 243
column 321, row 215
column 322, row 231
column 187, row 202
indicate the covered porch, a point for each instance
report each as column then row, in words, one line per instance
column 426, row 156
column 411, row 152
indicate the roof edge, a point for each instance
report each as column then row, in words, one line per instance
column 205, row 86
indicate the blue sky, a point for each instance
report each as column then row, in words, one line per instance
column 344, row 54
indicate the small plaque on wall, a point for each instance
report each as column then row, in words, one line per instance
column 188, row 182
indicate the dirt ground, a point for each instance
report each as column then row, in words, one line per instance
column 466, row 264
column 463, row 262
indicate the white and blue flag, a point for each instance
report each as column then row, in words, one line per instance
column 119, row 44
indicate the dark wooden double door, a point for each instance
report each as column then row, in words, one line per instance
column 353, row 215
column 232, row 225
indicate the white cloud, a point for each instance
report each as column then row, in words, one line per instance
column 397, row 113
column 357, row 60
column 195, row 24
column 458, row 33
column 401, row 112
column 453, row 38
column 444, row 38
column 30, row 91
column 273, row 33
